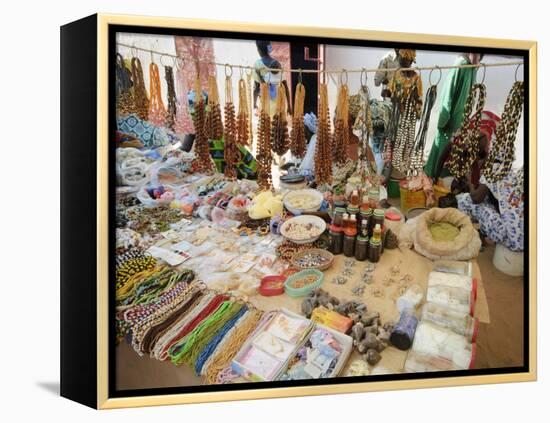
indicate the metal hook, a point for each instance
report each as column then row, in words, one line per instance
column 484, row 71
column 344, row 72
column 516, row 72
column 179, row 62
column 225, row 68
column 440, row 75
column 361, row 81
column 134, row 51
column 241, row 72
column 300, row 76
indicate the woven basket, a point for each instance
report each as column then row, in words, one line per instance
column 324, row 253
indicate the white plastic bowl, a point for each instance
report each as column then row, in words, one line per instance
column 304, row 219
column 300, row 193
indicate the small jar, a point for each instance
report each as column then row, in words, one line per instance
column 349, row 245
column 377, row 218
column 336, row 235
column 361, row 248
column 338, row 216
column 374, row 251
column 353, row 211
column 365, row 214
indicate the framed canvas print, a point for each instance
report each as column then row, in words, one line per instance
column 256, row 211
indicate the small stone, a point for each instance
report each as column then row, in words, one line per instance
column 373, row 357
column 371, row 341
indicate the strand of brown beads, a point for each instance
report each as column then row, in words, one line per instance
column 214, row 125
column 203, row 162
column 279, row 125
column 465, row 144
column 341, row 125
column 264, row 140
column 297, row 135
column 230, row 149
column 141, row 102
column 171, row 94
column 323, row 160
column 243, row 124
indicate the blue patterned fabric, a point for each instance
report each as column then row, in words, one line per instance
column 150, row 135
column 506, row 227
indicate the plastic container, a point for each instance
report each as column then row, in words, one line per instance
column 453, row 280
column 393, row 188
column 453, row 266
column 349, row 245
column 403, row 333
column 361, row 248
column 411, row 199
column 460, row 323
column 411, row 299
column 456, row 299
column 375, row 251
column 435, row 343
column 508, row 261
column 272, row 285
column 303, row 291
column 336, row 235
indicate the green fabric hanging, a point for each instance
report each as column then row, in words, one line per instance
column 451, row 114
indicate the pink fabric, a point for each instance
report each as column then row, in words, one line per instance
column 183, row 123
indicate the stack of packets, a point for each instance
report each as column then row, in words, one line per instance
column 317, row 359
column 332, row 319
column 269, row 350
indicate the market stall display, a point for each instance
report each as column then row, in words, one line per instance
column 295, row 276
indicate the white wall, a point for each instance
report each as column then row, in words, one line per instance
column 498, row 80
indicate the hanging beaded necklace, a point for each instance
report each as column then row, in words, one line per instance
column 243, row 118
column 323, row 147
column 141, row 102
column 230, row 149
column 125, row 103
column 157, row 111
column 340, row 138
column 213, row 125
column 416, row 163
column 297, row 135
column 465, row 144
column 363, row 124
column 171, row 93
column 407, row 101
column 264, row 140
column 203, row 161
column 502, row 152
column 279, row 124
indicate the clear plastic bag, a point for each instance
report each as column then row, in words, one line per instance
column 458, row 322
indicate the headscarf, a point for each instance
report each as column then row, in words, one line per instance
column 408, row 54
